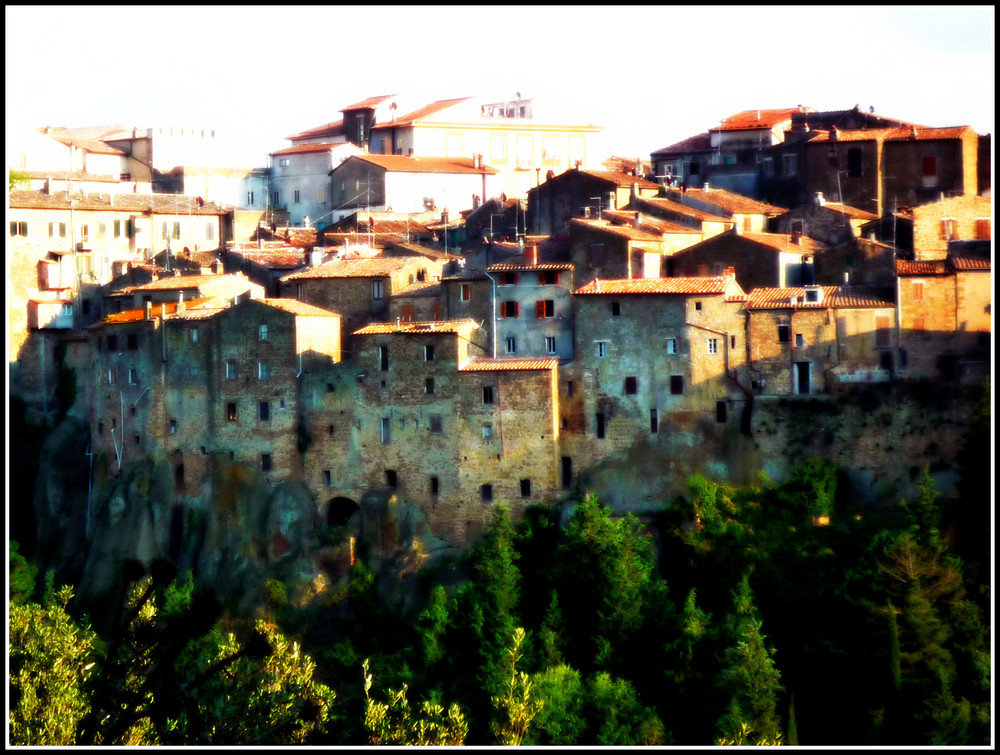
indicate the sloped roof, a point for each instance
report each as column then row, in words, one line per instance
column 696, row 143
column 757, row 119
column 135, row 314
column 416, row 328
column 423, row 251
column 730, row 201
column 836, row 297
column 624, row 231
column 851, row 212
column 297, row 308
column 418, row 289
column 421, row 113
column 783, row 242
column 621, row 180
column 366, row 267
column 164, row 204
column 693, row 212
column 921, row 267
column 968, row 263
column 299, row 149
column 680, row 286
column 334, row 128
column 659, row 225
column 523, row 264
column 408, row 164
column 484, row 364
column 175, row 282
column 367, row 103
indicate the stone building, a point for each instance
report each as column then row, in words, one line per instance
column 749, row 215
column 650, row 352
column 811, row 339
column 358, row 289
column 826, row 222
column 599, row 248
column 533, row 314
column 760, row 259
column 554, row 202
column 708, row 222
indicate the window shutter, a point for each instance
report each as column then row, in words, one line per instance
column 539, row 309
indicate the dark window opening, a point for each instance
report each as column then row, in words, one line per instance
column 327, row 479
column 654, row 422
column 720, row 411
column 265, row 462
column 631, row 385
column 567, row 472
column 429, row 386
column 569, row 388
column 231, row 411
column 544, row 308
column 330, row 388
column 436, row 424
column 383, row 358
column 435, row 485
column 265, row 411
column 486, row 493
column 616, row 309
column 784, row 333
column 132, row 341
column 600, row 425
column 390, row 478
column 676, row 384
column 487, row 394
column 854, row 162
column 525, row 488
column 331, row 430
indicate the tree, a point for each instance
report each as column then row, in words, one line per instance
column 393, row 723
column 515, row 708
column 561, row 719
column 17, row 179
column 51, row 661
column 617, row 715
column 749, row 678
column 21, row 582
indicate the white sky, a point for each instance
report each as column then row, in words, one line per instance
column 650, row 75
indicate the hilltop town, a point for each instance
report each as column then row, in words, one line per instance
column 455, row 304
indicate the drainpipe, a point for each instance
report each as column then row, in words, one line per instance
column 494, row 313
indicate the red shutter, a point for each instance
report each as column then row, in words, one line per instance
column 539, row 309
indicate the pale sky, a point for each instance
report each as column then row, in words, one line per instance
column 649, row 75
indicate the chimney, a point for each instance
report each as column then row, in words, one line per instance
column 913, row 132
column 795, row 238
column 180, row 303
column 704, row 187
column 48, row 185
column 444, row 216
column 149, row 310
column 534, row 254
column 315, row 255
column 729, row 272
column 611, row 197
column 847, row 279
column 477, row 160
column 820, row 201
column 834, row 133
column 636, row 221
column 794, row 300
column 586, row 212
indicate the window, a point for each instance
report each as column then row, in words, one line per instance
column 697, row 306
column 508, row 279
column 784, row 333
column 757, row 386
column 720, row 411
column 262, row 332
column 525, row 151
column 249, row 197
column 525, row 488
column 429, row 352
column 18, row 228
column 264, row 411
column 602, row 349
column 177, row 229
column 882, row 331
column 100, row 428
column 436, row 424
column 386, row 431
column 918, row 322
column 654, row 422
column 948, row 229
column 383, row 358
column 327, row 478
column 566, row 463
column 487, row 394
column 263, row 371
column 616, row 309
column 487, row 432
column 435, row 485
column 548, row 278
column 885, row 360
column 550, row 150
column 295, row 197
column 466, row 292
column 702, row 272
column 57, row 229
column 550, row 344
column 321, row 195
column 133, row 376
column 194, row 335
column 790, row 164
column 498, row 147
column 112, row 377
column 407, row 313
column 231, row 411
column 767, row 166
column 545, row 308
column 378, row 289
column 511, row 345
column 118, row 228
column 265, row 462
column 713, row 345
column 299, row 291
column 631, row 385
column 509, row 309
column 230, row 369
column 429, row 386
column 732, row 342
column 918, row 290
column 600, row 424
column 210, row 231
column 929, row 168
column 173, row 427
column 676, row 385
column 854, row 162
column 486, row 493
column 671, row 345
column 569, row 388
column 132, row 341
column 800, row 341
column 112, row 343
column 330, row 430
column 984, row 229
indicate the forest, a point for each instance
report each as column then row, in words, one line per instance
column 769, row 614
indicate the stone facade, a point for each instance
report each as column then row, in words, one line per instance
column 533, row 309
column 957, row 218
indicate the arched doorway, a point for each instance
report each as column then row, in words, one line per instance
column 341, row 511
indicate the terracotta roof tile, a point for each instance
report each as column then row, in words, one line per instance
column 175, row 282
column 366, row 267
column 851, row 212
column 136, row 314
column 842, row 297
column 370, row 102
column 731, row 201
column 161, row 204
column 334, row 128
column 274, row 259
column 683, row 286
column 923, row 134
column 668, row 204
column 621, row 180
column 758, row 119
column 309, row 147
column 698, row 143
column 783, row 242
column 650, row 222
column 524, row 265
column 625, row 231
column 420, row 114
column 415, row 328
column 921, row 267
column 483, row 364
column 407, row 164
column 72, row 175
column 970, row 263
column 296, row 307
column 419, row 289
column 424, row 251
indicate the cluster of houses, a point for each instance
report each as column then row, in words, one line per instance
column 475, row 313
